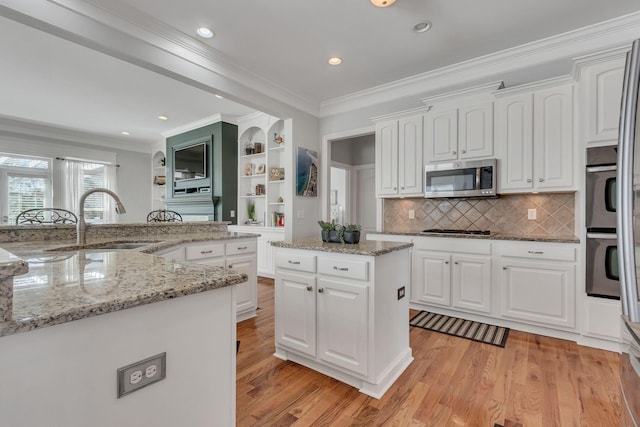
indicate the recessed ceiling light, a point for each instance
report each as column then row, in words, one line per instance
column 124, row 132
column 205, row 32
column 219, row 96
column 422, row 27
column 334, row 60
column 163, row 118
column 383, row 3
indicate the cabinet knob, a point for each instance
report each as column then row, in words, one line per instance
column 230, row 266
column 395, row 188
column 504, row 268
column 456, row 262
column 446, row 262
column 402, row 188
column 529, row 180
column 454, row 153
column 309, row 288
column 464, row 151
column 540, row 179
column 321, row 290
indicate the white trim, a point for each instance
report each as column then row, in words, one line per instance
column 469, row 91
column 542, row 84
column 605, row 35
column 399, row 114
column 611, row 54
column 200, row 123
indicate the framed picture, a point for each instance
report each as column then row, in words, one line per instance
column 307, row 166
column 334, row 197
column 276, row 174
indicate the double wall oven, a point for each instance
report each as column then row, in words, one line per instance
column 602, row 276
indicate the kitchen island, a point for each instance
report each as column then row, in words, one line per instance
column 342, row 310
column 81, row 313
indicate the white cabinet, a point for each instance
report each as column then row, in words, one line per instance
column 538, row 284
column 341, row 315
column 601, row 78
column 399, row 158
column 452, row 279
column 534, row 139
column 264, row 249
column 459, row 133
column 234, row 254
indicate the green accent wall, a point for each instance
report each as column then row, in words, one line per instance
column 222, row 167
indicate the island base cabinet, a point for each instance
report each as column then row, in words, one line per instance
column 344, row 316
column 295, row 305
column 343, row 324
column 536, row 292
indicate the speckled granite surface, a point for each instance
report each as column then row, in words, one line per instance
column 493, row 236
column 365, row 247
column 66, row 283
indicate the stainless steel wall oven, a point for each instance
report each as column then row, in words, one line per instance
column 602, row 278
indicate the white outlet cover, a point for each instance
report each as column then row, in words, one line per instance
column 412, row 214
column 532, row 214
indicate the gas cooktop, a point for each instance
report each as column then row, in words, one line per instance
column 449, row 231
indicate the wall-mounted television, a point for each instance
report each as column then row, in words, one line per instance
column 190, row 162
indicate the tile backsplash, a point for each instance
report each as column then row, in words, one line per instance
column 507, row 214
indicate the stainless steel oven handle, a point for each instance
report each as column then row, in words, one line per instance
column 606, row 236
column 602, row 168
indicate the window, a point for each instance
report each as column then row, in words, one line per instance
column 25, row 183
column 93, row 176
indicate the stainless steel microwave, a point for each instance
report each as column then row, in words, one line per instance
column 475, row 178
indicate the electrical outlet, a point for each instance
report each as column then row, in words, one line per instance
column 412, row 214
column 532, row 214
column 232, row 214
column 141, row 374
column 400, row 293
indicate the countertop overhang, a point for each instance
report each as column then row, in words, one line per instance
column 58, row 282
column 365, row 247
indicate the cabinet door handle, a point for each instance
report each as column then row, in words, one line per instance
column 230, row 266
column 309, row 288
column 529, row 180
column 454, row 153
column 341, row 268
column 536, row 252
column 294, row 262
column 321, row 290
column 540, row 179
column 206, row 252
column 504, row 268
column 241, row 248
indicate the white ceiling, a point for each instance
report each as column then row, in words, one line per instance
column 285, row 42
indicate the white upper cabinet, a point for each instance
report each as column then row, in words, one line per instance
column 601, row 78
column 459, row 133
column 399, row 156
column 534, row 138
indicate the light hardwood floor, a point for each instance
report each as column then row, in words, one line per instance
column 534, row 381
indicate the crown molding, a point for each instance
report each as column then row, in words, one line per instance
column 617, row 53
column 486, row 88
column 206, row 121
column 605, row 35
column 400, row 114
column 34, row 131
column 537, row 85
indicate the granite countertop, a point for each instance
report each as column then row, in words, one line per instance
column 492, row 236
column 65, row 282
column 365, row 247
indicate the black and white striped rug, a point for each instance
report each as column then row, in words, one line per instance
column 476, row 331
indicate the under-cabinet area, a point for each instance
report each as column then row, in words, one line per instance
column 344, row 315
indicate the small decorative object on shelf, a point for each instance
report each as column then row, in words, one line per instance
column 249, row 148
column 257, row 147
column 260, row 189
column 260, row 169
column 159, row 180
column 337, row 233
column 276, row 174
column 162, row 161
column 280, row 200
column 248, row 169
column 278, row 139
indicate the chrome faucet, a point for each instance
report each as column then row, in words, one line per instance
column 81, row 227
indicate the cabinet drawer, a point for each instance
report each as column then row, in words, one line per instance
column 349, row 268
column 296, row 261
column 241, row 247
column 205, row 251
column 533, row 251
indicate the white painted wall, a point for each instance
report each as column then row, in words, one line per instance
column 65, row 375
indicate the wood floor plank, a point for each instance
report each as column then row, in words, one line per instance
column 534, row 381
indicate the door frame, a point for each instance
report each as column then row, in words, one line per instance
column 326, row 170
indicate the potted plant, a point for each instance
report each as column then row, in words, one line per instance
column 327, row 228
column 251, row 212
column 351, row 233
